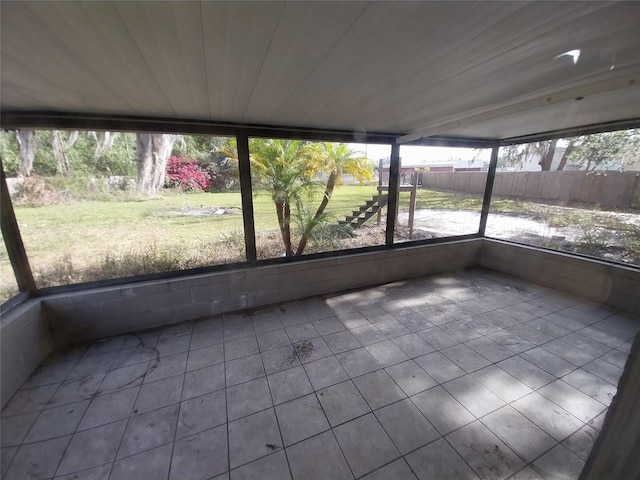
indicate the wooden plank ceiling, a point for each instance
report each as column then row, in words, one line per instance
column 473, row 69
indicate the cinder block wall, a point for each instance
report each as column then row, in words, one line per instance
column 594, row 280
column 102, row 312
column 25, row 340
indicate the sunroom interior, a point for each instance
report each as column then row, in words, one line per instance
column 460, row 355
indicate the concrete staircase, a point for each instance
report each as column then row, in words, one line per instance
column 366, row 211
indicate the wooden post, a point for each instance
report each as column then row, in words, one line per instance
column 380, row 166
column 412, row 202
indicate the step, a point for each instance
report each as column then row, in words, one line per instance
column 351, row 224
column 369, row 209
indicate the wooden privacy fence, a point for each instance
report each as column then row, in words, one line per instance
column 608, row 189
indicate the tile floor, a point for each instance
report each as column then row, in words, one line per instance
column 466, row 376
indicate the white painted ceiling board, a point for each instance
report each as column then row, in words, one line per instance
column 379, row 28
column 261, row 22
column 367, row 66
column 25, row 83
column 169, row 38
column 505, row 79
column 492, row 66
column 18, row 98
column 126, row 67
column 306, row 34
column 495, row 75
column 591, row 110
column 237, row 37
column 464, row 53
column 77, row 26
column 51, row 59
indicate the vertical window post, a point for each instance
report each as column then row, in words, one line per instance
column 13, row 240
column 244, row 167
column 488, row 189
column 394, row 181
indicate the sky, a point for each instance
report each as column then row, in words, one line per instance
column 413, row 154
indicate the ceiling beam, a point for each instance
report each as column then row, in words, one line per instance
column 492, row 112
column 573, row 132
column 11, row 120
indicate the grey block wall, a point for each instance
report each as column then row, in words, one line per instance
column 615, row 453
column 594, row 280
column 99, row 313
column 25, row 340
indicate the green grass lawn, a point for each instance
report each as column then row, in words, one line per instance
column 88, row 240
column 93, row 226
column 78, row 234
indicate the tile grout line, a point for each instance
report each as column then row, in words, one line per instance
column 275, row 414
column 184, row 375
column 93, row 396
column 226, row 403
column 131, row 414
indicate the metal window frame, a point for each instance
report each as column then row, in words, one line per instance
column 246, row 192
column 242, row 132
column 13, row 240
column 488, row 190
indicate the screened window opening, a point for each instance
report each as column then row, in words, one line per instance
column 312, row 197
column 441, row 191
column 578, row 194
column 8, row 283
column 104, row 205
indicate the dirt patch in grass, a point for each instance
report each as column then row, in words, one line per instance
column 203, row 211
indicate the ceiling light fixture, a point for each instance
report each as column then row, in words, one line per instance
column 574, row 54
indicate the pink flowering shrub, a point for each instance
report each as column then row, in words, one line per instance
column 186, row 173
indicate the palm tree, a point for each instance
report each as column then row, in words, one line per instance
column 337, row 160
column 283, row 167
column 287, row 167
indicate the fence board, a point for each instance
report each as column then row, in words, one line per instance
column 608, row 189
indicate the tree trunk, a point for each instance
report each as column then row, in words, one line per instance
column 547, row 157
column 565, row 156
column 104, row 142
column 27, row 150
column 287, row 228
column 328, row 191
column 60, row 147
column 154, row 150
column 283, row 211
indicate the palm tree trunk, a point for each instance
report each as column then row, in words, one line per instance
column 285, row 230
column 328, row 191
